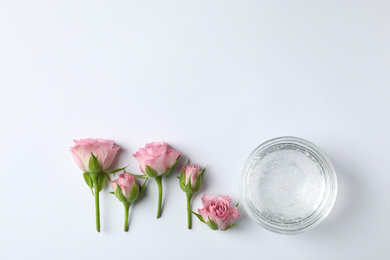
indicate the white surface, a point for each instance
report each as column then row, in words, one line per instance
column 212, row 78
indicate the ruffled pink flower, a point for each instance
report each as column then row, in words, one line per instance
column 218, row 210
column 157, row 156
column 191, row 171
column 125, row 182
column 104, row 150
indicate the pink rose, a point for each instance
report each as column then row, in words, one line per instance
column 191, row 171
column 104, row 150
column 126, row 183
column 217, row 209
column 157, row 156
column 128, row 192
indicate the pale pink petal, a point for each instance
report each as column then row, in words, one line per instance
column 206, row 200
column 110, row 156
column 171, row 157
column 113, row 185
column 157, row 164
column 204, row 214
column 156, row 148
column 141, row 158
column 77, row 160
column 195, row 174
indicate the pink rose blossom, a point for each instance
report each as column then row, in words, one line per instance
column 218, row 210
column 104, row 150
column 157, row 156
column 191, row 171
column 125, row 182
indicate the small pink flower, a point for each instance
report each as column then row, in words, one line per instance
column 104, row 150
column 157, row 156
column 191, row 171
column 217, row 209
column 125, row 182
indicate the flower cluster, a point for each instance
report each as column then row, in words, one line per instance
column 156, row 160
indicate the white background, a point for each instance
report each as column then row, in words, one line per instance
column 214, row 79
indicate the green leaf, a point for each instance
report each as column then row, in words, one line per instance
column 112, row 192
column 116, row 170
column 150, row 172
column 88, row 180
column 142, row 176
column 170, row 169
column 212, row 225
column 199, row 216
column 229, row 227
column 119, row 194
column 134, row 193
column 101, row 181
column 93, row 165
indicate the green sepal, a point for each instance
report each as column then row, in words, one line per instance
column 212, row 225
column 150, row 172
column 119, row 194
column 237, row 204
column 182, row 181
column 112, row 192
column 198, row 183
column 142, row 176
column 88, row 180
column 101, row 181
column 188, row 187
column 170, row 169
column 199, row 216
column 93, row 165
column 142, row 189
column 134, row 193
column 229, row 227
column 115, row 170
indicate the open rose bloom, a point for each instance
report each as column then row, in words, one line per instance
column 158, row 156
column 156, row 160
column 104, row 150
column 217, row 213
column 94, row 157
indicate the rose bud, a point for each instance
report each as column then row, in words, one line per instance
column 217, row 213
column 190, row 181
column 156, row 160
column 126, row 190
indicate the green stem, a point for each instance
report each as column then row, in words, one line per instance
column 97, row 209
column 127, row 207
column 189, row 197
column 95, row 178
column 158, row 180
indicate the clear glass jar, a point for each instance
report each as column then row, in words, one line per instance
column 288, row 185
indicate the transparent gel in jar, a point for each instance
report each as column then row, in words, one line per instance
column 288, row 185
